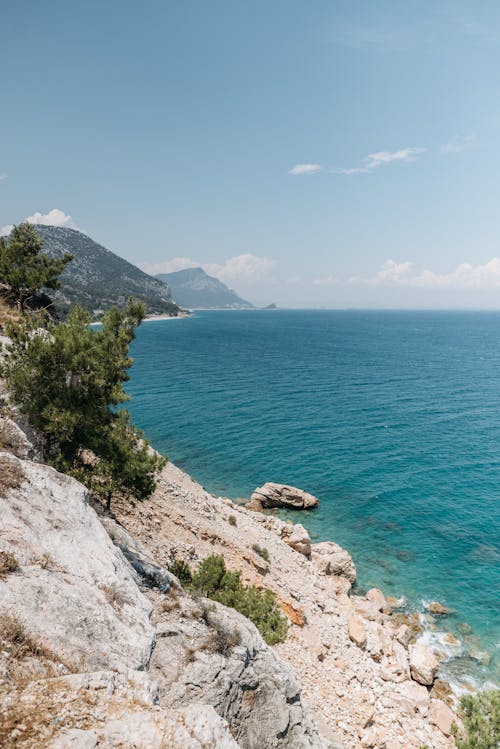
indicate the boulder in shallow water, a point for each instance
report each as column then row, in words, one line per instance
column 282, row 495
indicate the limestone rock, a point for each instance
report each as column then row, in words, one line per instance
column 139, row 558
column 282, row 495
column 117, row 710
column 332, row 559
column 357, row 631
column 297, row 537
column 217, row 657
column 442, row 717
column 74, row 588
column 423, row 664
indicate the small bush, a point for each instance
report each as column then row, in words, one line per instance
column 261, row 551
column 214, row 581
column 481, row 721
column 8, row 563
column 232, row 520
column 182, row 572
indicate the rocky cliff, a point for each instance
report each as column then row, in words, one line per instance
column 101, row 647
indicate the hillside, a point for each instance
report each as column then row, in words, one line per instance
column 195, row 289
column 97, row 278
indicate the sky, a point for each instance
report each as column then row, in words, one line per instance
column 317, row 153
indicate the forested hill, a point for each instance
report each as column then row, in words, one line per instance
column 195, row 289
column 97, row 279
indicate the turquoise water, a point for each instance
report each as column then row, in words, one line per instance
column 391, row 418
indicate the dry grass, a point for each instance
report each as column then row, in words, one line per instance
column 7, row 314
column 221, row 639
column 115, row 595
column 169, row 602
column 11, row 475
column 27, row 656
column 8, row 563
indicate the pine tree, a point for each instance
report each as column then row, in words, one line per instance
column 68, row 379
column 24, row 269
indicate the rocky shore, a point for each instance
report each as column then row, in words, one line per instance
column 101, row 646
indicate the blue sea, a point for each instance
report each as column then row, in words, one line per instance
column 391, row 418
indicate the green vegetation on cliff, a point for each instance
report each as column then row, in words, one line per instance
column 67, row 377
column 481, row 718
column 214, row 581
column 25, row 270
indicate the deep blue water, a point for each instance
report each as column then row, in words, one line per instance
column 391, row 418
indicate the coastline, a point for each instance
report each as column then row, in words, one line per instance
column 352, row 653
column 156, row 318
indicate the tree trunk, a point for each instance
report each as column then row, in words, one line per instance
column 108, row 500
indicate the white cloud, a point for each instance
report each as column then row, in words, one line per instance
column 464, row 276
column 3, row 176
column 305, row 169
column 170, row 266
column 327, row 281
column 246, row 267
column 458, row 143
column 292, row 280
column 381, row 158
column 55, row 217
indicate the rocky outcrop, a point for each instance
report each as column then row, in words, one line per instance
column 281, row 495
column 106, row 710
column 71, row 597
column 207, row 653
column 73, row 586
column 331, row 559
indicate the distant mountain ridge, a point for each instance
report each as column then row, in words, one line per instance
column 195, row 289
column 97, row 279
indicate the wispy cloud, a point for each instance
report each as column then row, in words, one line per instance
column 326, row 281
column 239, row 268
column 464, row 276
column 458, row 143
column 381, row 158
column 305, row 169
column 3, row 176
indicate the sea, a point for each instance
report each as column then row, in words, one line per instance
column 391, row 418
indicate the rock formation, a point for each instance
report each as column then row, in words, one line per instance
column 281, row 495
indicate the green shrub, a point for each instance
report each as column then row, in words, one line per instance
column 231, row 520
column 182, row 572
column 261, row 551
column 214, row 581
column 481, row 721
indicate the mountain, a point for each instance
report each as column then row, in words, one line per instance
column 195, row 289
column 97, row 279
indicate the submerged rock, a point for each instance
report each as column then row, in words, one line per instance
column 282, row 495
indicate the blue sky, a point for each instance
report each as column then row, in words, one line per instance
column 315, row 153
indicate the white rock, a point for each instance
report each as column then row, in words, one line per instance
column 75, row 589
column 332, row 559
column 423, row 664
column 282, row 495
